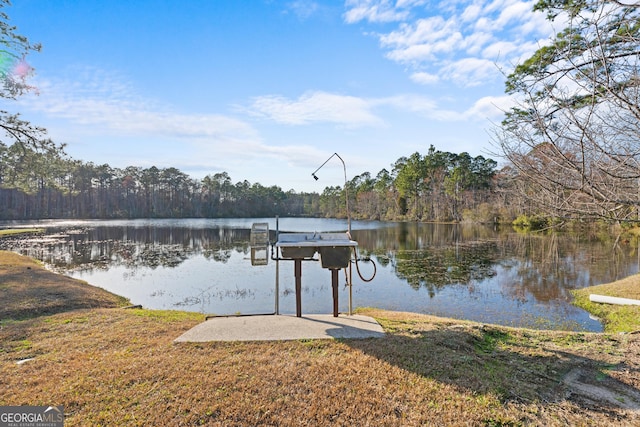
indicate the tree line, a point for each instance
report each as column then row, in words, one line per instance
column 436, row 186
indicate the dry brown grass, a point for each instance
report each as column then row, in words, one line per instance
column 29, row 290
column 111, row 366
column 628, row 287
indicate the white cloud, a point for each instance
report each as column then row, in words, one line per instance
column 500, row 14
column 379, row 11
column 315, row 107
column 424, row 41
column 470, row 71
column 427, row 30
column 500, row 49
column 414, row 53
column 490, row 107
column 485, row 108
column 453, row 41
column 425, row 78
column 471, row 13
column 110, row 105
column 303, row 9
column 257, row 149
column 373, row 11
column 412, row 103
column 515, row 12
column 536, row 27
column 483, row 24
column 320, row 107
column 475, row 42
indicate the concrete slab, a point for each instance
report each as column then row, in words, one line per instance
column 283, row 327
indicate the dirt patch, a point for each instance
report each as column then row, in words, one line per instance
column 595, row 389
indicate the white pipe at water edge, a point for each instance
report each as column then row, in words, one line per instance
column 613, row 300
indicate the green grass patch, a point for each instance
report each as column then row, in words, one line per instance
column 23, row 345
column 14, row 231
column 491, row 340
column 167, row 315
column 568, row 340
column 616, row 318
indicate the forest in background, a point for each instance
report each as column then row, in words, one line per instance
column 436, row 186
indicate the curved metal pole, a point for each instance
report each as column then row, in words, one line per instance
column 346, row 191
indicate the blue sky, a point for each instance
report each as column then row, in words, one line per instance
column 267, row 90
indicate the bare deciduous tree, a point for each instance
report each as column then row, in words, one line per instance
column 574, row 137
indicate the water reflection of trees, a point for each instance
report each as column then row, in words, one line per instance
column 433, row 256
column 416, row 236
column 436, row 268
column 545, row 266
column 130, row 247
column 430, row 256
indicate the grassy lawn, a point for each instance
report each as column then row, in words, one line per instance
column 14, row 231
column 616, row 318
column 112, row 366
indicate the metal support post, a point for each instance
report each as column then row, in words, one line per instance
column 350, row 284
column 334, row 285
column 298, row 273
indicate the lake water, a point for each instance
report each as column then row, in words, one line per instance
column 470, row 272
